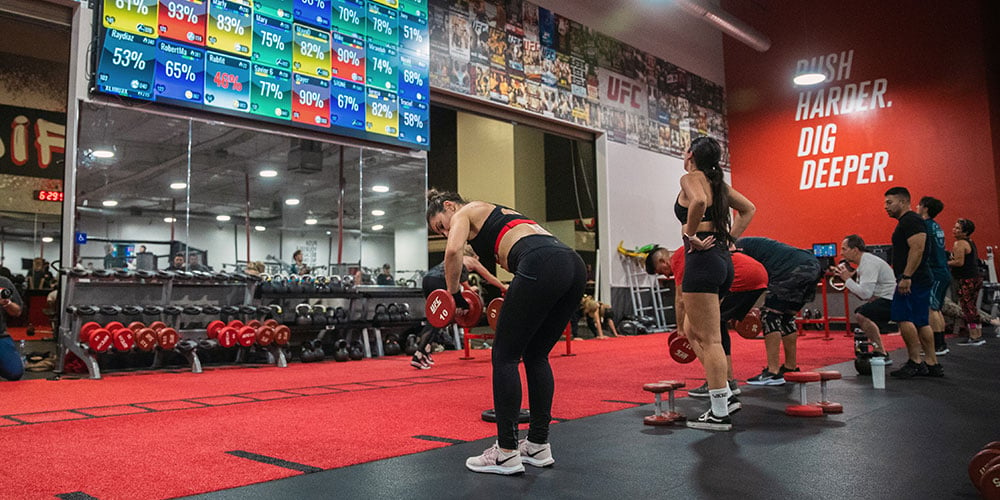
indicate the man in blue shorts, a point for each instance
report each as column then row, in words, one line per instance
column 911, row 301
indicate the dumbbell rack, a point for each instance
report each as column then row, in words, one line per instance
column 639, row 283
column 160, row 290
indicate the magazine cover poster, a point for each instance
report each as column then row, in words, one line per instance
column 578, row 76
column 515, row 54
column 461, row 36
column 549, row 61
column 529, row 19
column 534, row 94
column 518, row 92
column 581, row 110
column 532, row 60
column 564, row 108
column 550, row 100
column 481, row 80
column 499, row 86
column 459, row 79
column 480, row 51
column 546, row 27
column 498, row 48
column 614, row 124
column 563, row 72
column 563, row 41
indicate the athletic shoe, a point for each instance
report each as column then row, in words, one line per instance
column 908, row 370
column 419, row 363
column 734, row 404
column 941, row 351
column 428, row 358
column 538, row 455
column 496, row 461
column 933, row 371
column 709, row 422
column 766, row 378
column 972, row 341
column 702, row 390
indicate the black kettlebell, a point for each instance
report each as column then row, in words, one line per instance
column 381, row 315
column 319, row 315
column 341, row 314
column 294, row 284
column 404, row 311
column 322, row 285
column 392, row 347
column 317, row 347
column 356, row 353
column 341, row 353
column 303, row 314
column 411, row 345
column 307, row 284
column 333, row 282
column 347, row 281
column 331, row 316
column 278, row 285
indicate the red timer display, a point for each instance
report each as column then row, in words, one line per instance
column 43, row 195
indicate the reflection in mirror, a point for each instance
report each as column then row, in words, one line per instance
column 394, row 243
column 131, row 188
column 290, row 192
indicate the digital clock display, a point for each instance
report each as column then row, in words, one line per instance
column 43, row 195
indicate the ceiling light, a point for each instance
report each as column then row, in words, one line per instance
column 259, row 228
column 46, row 239
column 269, row 173
column 810, row 78
column 178, row 185
column 102, row 153
column 169, row 220
column 328, row 233
column 378, row 213
column 377, row 227
column 292, row 202
column 110, row 203
column 222, row 218
column 311, row 222
column 380, row 189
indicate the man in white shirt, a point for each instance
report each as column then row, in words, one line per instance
column 872, row 281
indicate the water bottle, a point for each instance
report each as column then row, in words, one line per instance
column 878, row 372
column 21, row 350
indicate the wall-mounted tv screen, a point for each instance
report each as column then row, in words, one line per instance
column 357, row 68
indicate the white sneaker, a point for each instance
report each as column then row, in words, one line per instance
column 496, row 461
column 538, row 455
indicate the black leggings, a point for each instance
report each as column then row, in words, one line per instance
column 546, row 289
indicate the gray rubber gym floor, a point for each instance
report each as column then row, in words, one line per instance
column 911, row 440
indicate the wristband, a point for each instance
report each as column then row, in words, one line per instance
column 905, row 277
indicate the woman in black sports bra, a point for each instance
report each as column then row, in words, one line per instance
column 703, row 208
column 549, row 278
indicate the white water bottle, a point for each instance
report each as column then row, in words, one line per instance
column 878, row 372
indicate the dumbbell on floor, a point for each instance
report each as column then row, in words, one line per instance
column 659, row 417
column 984, row 470
column 803, row 409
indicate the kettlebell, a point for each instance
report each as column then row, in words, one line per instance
column 392, row 311
column 392, row 347
column 307, row 283
column 347, row 281
column 321, row 284
column 278, row 284
column 303, row 314
column 381, row 315
column 319, row 315
column 342, row 314
column 294, row 284
column 341, row 353
column 411, row 345
column 356, row 353
column 333, row 282
column 331, row 316
column 317, row 348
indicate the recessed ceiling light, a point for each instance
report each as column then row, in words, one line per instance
column 377, row 227
column 169, row 220
column 102, row 153
column 110, row 203
column 328, row 233
column 178, row 185
column 268, row 173
column 380, row 189
column 292, row 202
column 378, row 213
column 222, row 218
column 46, row 239
column 259, row 228
column 311, row 222
column 809, row 78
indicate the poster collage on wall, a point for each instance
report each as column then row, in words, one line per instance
column 515, row 53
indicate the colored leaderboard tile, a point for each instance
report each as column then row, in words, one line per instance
column 356, row 67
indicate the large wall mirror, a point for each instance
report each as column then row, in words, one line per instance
column 156, row 191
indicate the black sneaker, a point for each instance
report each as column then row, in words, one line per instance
column 766, row 378
column 973, row 341
column 941, row 350
column 709, row 422
column 700, row 391
column 782, row 370
column 419, row 362
column 735, row 405
column 932, row 371
column 908, row 370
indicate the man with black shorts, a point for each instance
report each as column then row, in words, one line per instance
column 937, row 262
column 911, row 300
column 872, row 281
column 749, row 283
column 792, row 275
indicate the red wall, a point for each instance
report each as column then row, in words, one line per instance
column 933, row 126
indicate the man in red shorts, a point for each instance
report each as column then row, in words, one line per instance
column 749, row 283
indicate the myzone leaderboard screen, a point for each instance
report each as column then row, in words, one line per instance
column 349, row 67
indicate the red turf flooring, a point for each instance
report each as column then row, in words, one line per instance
column 162, row 434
